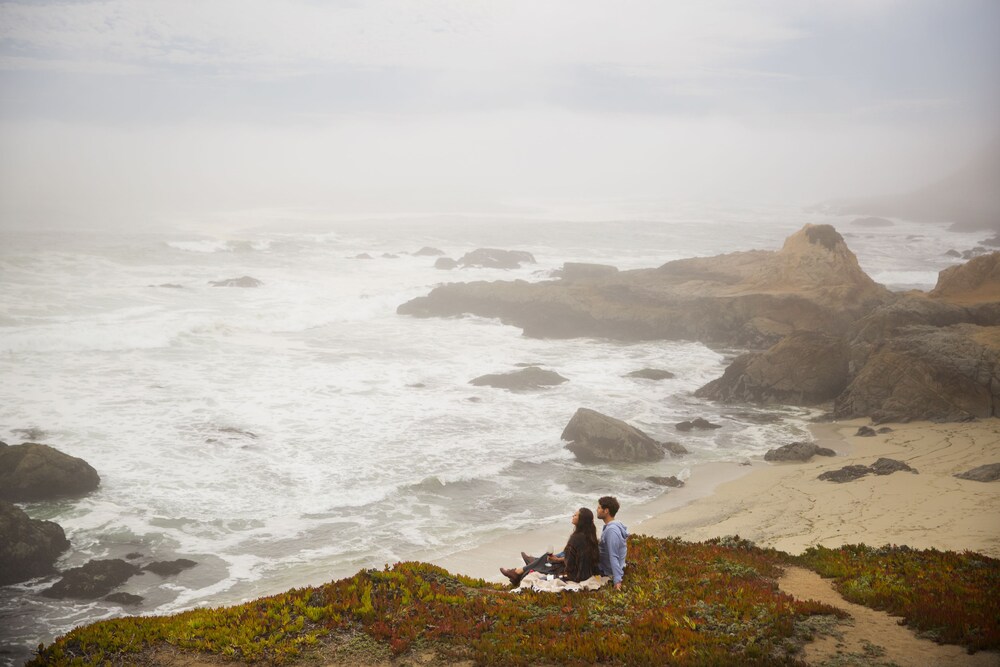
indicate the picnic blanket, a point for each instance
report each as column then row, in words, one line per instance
column 537, row 581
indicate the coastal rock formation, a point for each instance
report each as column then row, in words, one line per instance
column 651, row 374
column 806, row 367
column 797, row 451
column 987, row 473
column 597, row 438
column 846, row 474
column 428, row 251
column 28, row 547
column 243, row 281
column 865, row 432
column 583, row 272
column 746, row 298
column 949, row 374
column 31, row 471
column 93, row 580
column 166, row 568
column 698, row 423
column 976, row 281
column 531, row 377
column 445, row 263
column 885, row 466
column 671, row 481
column 127, row 599
column 492, row 258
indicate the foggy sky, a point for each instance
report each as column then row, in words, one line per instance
column 164, row 111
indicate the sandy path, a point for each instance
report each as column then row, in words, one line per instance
column 871, row 630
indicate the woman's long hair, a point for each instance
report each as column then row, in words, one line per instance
column 585, row 525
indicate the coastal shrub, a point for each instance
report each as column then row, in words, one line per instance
column 952, row 597
column 714, row 603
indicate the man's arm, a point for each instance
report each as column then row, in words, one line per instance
column 616, row 551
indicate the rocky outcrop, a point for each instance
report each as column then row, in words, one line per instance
column 805, row 368
column 28, row 547
column 597, row 438
column 445, row 263
column 127, row 599
column 531, row 377
column 671, row 481
column 987, row 473
column 976, row 281
column 698, row 423
column 865, row 432
column 798, row 451
column 244, row 281
column 428, row 251
column 882, row 466
column 752, row 298
column 944, row 374
column 93, row 580
column 32, row 471
column 492, row 258
column 583, row 272
column 166, row 568
column 651, row 374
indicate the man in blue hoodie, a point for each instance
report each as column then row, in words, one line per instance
column 613, row 541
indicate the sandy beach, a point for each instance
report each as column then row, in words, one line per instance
column 785, row 506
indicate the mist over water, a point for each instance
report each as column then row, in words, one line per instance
column 296, row 432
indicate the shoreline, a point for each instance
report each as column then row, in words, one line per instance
column 785, row 506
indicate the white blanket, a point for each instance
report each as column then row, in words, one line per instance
column 537, row 581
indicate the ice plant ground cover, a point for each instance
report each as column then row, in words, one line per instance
column 683, row 603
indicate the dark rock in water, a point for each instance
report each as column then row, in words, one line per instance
column 93, row 580
column 846, row 474
column 597, row 438
column 698, row 423
column 244, row 281
column 953, row 253
column 166, row 568
column 865, row 432
column 169, row 286
column 993, row 241
column 804, row 368
column 797, row 451
column 474, row 399
column 445, row 263
column 872, row 222
column 389, row 255
column 526, row 378
column 124, row 598
column 28, row 547
column 492, row 258
column 666, row 481
column 417, row 385
column 232, row 430
column 427, row 251
column 987, row 473
column 582, row 272
column 362, row 255
column 133, row 555
column 757, row 417
column 974, row 252
column 674, row 448
column 38, row 472
column 886, row 466
column 651, row 374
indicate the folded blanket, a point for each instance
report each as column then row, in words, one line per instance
column 537, row 581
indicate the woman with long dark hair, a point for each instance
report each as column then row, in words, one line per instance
column 579, row 559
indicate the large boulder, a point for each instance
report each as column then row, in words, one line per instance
column 597, row 438
column 976, row 281
column 749, row 299
column 651, row 374
column 944, row 374
column 805, row 368
column 28, row 547
column 797, row 451
column 987, row 473
column 493, row 258
column 32, row 471
column 93, row 580
column 524, row 379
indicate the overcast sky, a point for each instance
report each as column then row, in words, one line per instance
column 151, row 111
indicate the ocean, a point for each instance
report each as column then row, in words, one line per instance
column 296, row 432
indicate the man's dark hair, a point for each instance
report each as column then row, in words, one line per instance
column 610, row 503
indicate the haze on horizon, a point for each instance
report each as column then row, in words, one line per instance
column 162, row 112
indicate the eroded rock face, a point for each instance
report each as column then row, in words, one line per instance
column 28, row 547
column 597, row 438
column 946, row 374
column 986, row 473
column 93, row 580
column 797, row 451
column 32, row 471
column 976, row 280
column 805, row 368
column 531, row 377
column 493, row 258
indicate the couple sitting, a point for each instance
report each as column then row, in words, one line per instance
column 584, row 556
